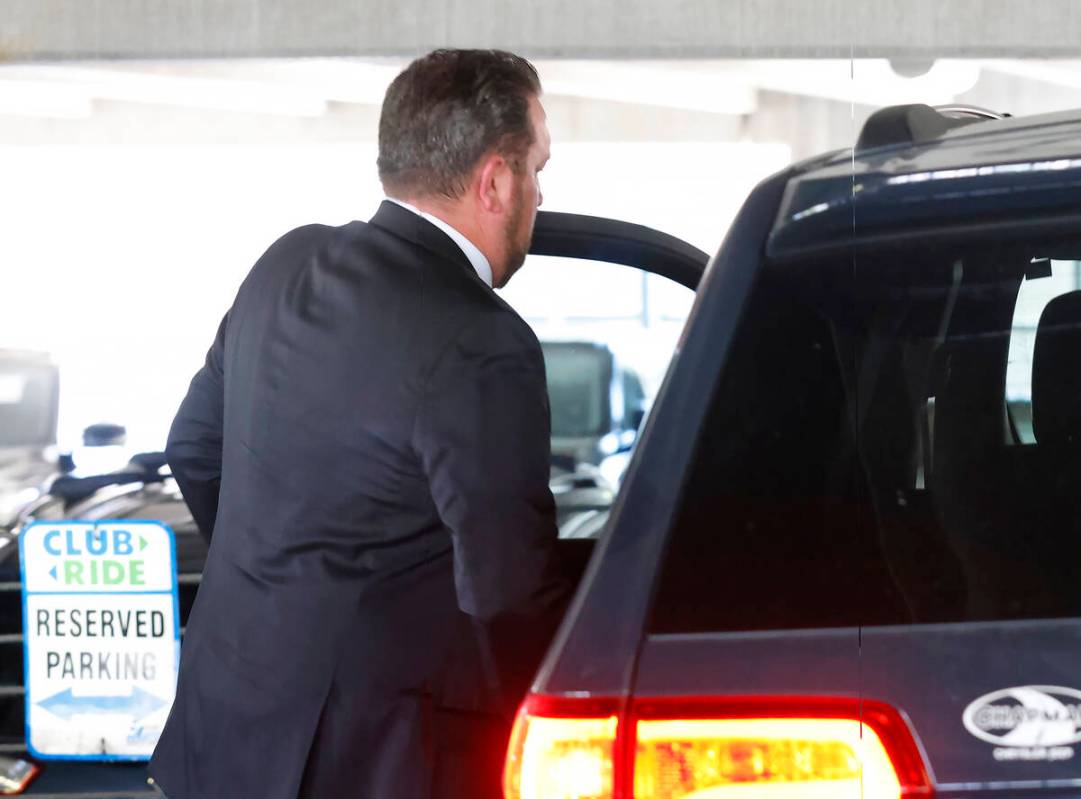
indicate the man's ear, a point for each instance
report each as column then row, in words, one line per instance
column 495, row 185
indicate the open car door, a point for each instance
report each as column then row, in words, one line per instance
column 596, row 393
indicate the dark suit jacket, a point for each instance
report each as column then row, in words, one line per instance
column 369, row 444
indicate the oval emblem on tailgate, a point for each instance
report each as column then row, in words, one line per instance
column 1032, row 715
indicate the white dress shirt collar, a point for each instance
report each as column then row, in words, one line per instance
column 475, row 256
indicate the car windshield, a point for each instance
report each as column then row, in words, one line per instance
column 578, row 385
column 896, row 438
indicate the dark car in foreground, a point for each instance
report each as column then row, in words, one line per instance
column 842, row 563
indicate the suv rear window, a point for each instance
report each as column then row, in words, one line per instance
column 865, row 461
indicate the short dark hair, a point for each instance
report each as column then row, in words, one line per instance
column 449, row 109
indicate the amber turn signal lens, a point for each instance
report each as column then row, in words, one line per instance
column 560, row 758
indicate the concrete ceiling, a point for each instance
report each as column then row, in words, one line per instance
column 37, row 30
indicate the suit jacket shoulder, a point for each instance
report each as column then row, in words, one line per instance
column 450, row 297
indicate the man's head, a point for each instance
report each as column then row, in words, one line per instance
column 463, row 136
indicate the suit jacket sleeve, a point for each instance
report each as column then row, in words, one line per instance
column 195, row 438
column 482, row 433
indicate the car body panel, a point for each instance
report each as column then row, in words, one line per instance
column 931, row 673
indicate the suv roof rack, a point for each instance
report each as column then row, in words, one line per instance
column 915, row 124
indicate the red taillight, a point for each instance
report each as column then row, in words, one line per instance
column 750, row 748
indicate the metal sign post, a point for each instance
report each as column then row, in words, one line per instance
column 102, row 637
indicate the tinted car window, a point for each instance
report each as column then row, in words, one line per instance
column 858, row 465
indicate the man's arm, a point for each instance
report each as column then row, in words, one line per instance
column 482, row 433
column 195, row 438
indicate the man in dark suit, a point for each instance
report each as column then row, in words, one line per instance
column 368, row 444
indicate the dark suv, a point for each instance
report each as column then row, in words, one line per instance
column 846, row 559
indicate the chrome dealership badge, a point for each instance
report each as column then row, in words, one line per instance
column 1032, row 722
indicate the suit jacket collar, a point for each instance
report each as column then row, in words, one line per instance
column 403, row 223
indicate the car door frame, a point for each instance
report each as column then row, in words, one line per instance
column 613, row 241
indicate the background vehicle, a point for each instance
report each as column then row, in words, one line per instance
column 597, row 407
column 597, row 401
column 29, row 396
column 839, row 565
